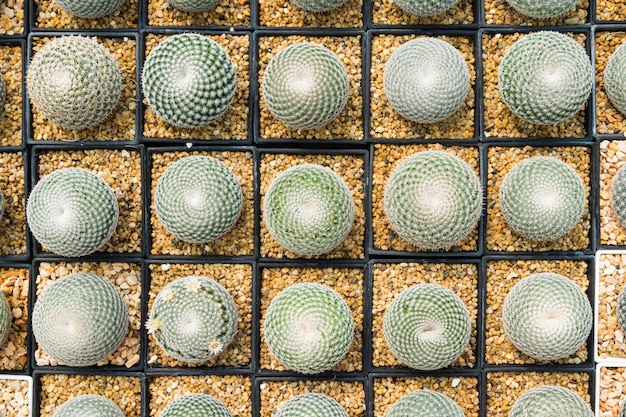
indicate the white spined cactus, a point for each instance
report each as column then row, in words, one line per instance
column 427, row 326
column 545, row 77
column 308, row 327
column 618, row 195
column 88, row 405
column 89, row 9
column 547, row 316
column 6, row 319
column 615, row 78
column 550, row 401
column 425, row 403
column 305, row 86
column 193, row 319
column 426, row 80
column 427, row 8
column 195, row 405
column 198, row 199
column 194, row 6
column 433, row 199
column 189, row 80
column 311, row 405
column 80, row 319
column 543, row 9
column 74, row 82
column 318, row 6
column 72, row 212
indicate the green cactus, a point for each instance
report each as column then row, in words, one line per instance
column 88, row 405
column 615, row 79
column 74, row 82
column 194, row 6
column 542, row 198
column 305, row 86
column 547, row 316
column 618, row 195
column 90, row 9
column 433, row 199
column 80, row 319
column 545, row 78
column 318, row 6
column 193, row 319
column 311, row 405
column 550, row 401
column 621, row 309
column 543, row 9
column 308, row 328
column 189, row 80
column 426, row 80
column 308, row 209
column 6, row 318
column 427, row 326
column 198, row 199
column 195, row 405
column 425, row 403
column 423, row 8
column 72, row 212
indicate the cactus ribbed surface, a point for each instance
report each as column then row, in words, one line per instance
column 425, row 8
column 308, row 328
column 72, row 212
column 194, row 6
column 311, row 405
column 542, row 198
column 427, row 326
column 74, row 82
column 89, row 9
column 308, row 209
column 305, row 86
column 615, row 78
column 621, row 309
column 426, row 80
column 547, row 316
column 80, row 319
column 550, row 401
column 195, row 405
column 545, row 77
column 193, row 319
column 618, row 195
column 425, row 403
column 189, row 80
column 88, row 405
column 6, row 318
column 542, row 9
column 318, row 6
column 198, row 199
column 433, row 199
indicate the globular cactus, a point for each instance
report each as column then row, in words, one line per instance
column 621, row 309
column 427, row 326
column 189, row 80
column 308, row 328
column 6, row 318
column 550, row 401
column 433, row 199
column 423, row 8
column 311, row 405
column 542, row 198
column 615, row 79
column 198, row 199
column 195, row 405
column 543, row 9
column 318, row 6
column 547, row 316
column 72, row 212
column 425, row 403
column 80, row 319
column 426, row 80
column 89, row 9
column 308, row 209
column 305, row 86
column 618, row 195
column 88, row 405
column 194, row 6
column 74, row 82
column 545, row 77
column 193, row 319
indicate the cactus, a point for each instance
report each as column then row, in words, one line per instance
column 90, row 9
column 423, row 8
column 547, row 316
column 198, row 199
column 3, row 92
column 549, row 401
column 615, row 79
column 311, row 405
column 194, row 6
column 6, row 318
column 74, row 82
column 308, row 209
column 1, row 203
column 88, row 405
column 193, row 319
column 195, row 405
column 72, row 212
column 621, row 309
column 543, row 9
column 80, row 319
column 426, row 80
column 189, row 80
column 305, row 86
column 427, row 326
column 433, row 199
column 308, row 328
column 545, row 78
column 425, row 403
column 618, row 195
column 542, row 198
column 318, row 6
column 622, row 409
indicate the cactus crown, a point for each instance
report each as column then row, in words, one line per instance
column 308, row 327
column 6, row 318
column 615, row 78
column 311, row 405
column 88, row 405
column 305, row 86
column 426, row 80
column 618, row 195
column 189, row 80
column 194, row 6
column 427, row 326
column 74, row 82
column 318, row 6
column 72, row 212
column 309, row 209
column 548, row 401
column 193, row 319
column 425, row 403
column 195, row 405
column 621, row 309
column 433, row 199
column 547, row 316
column 542, row 9
column 423, row 8
column 542, row 198
column 89, row 9
column 545, row 77
column 198, row 199
column 80, row 319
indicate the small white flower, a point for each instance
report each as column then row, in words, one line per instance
column 153, row 325
column 215, row 347
column 193, row 285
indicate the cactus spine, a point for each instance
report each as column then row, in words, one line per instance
column 89, row 9
column 542, row 9
column 194, row 6
column 311, row 405
column 318, row 6
column 88, row 405
column 423, row 8
column 618, row 195
column 6, row 318
column 425, row 403
column 615, row 79
column 548, row 401
column 195, row 405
